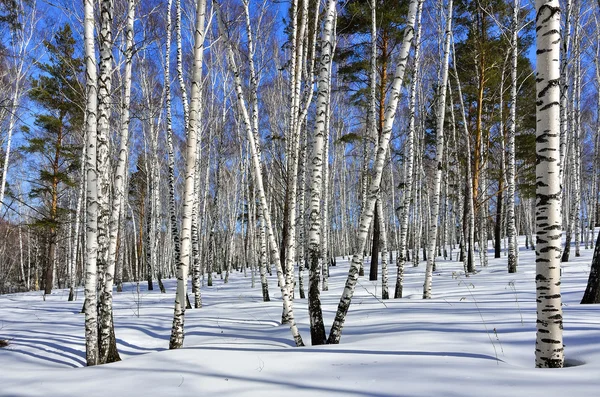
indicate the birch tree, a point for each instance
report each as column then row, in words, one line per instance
column 177, row 334
column 90, row 308
column 513, row 258
column 439, row 153
column 317, row 159
column 549, row 350
column 409, row 163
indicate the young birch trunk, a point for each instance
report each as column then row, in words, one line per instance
column 513, row 259
column 549, row 350
column 326, row 225
column 439, row 153
column 91, row 252
column 503, row 178
column 254, row 119
column 410, row 155
column 577, row 137
column 171, row 152
column 292, row 164
column 384, row 251
column 325, row 194
column 256, row 164
column 177, row 335
column 372, row 133
column 11, row 126
column 301, row 216
column 367, row 211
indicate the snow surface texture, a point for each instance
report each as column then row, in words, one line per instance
column 474, row 338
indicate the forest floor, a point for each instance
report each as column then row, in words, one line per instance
column 476, row 337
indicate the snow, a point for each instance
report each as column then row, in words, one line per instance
column 474, row 338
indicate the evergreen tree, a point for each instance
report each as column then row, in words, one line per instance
column 354, row 23
column 59, row 95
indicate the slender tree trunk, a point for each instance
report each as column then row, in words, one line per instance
column 439, row 153
column 410, row 155
column 177, row 334
column 384, row 251
column 90, row 305
column 513, row 258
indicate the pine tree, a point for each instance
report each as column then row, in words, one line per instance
column 54, row 139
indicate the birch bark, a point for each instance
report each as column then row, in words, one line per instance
column 513, row 259
column 177, row 334
column 549, row 350
column 439, row 153
column 410, row 155
column 90, row 308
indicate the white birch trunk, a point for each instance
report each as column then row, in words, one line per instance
column 513, row 259
column 171, row 151
column 90, row 308
column 564, row 77
column 439, row 154
column 316, row 165
column 409, row 163
column 177, row 334
column 549, row 351
column 254, row 117
column 107, row 351
column 384, row 250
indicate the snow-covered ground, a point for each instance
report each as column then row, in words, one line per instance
column 474, row 338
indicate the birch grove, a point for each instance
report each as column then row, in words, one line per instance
column 247, row 142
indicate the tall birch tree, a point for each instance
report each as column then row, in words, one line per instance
column 90, row 308
column 177, row 334
column 549, row 350
column 439, row 154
